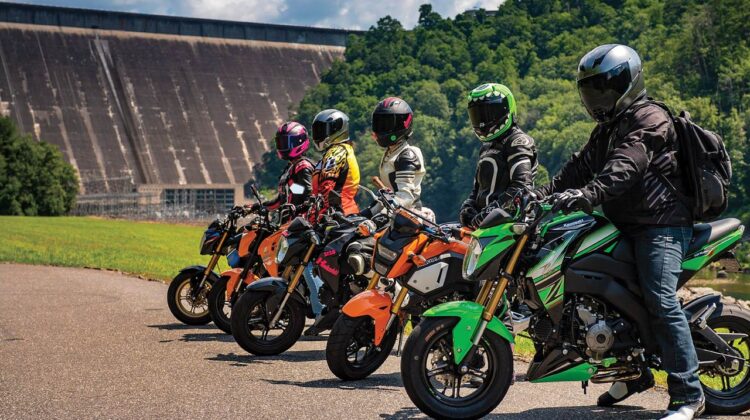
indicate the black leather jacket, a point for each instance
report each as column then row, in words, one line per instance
column 506, row 165
column 298, row 172
column 619, row 168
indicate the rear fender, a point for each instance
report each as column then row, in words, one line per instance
column 694, row 308
column 197, row 274
column 373, row 303
column 469, row 315
column 713, row 251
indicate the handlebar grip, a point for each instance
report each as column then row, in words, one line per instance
column 378, row 183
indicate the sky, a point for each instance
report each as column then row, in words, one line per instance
column 351, row 14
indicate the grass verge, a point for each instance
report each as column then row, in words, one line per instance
column 152, row 250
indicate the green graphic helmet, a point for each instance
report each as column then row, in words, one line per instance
column 492, row 110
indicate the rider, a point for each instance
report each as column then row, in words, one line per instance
column 295, row 183
column 624, row 167
column 336, row 178
column 402, row 166
column 507, row 159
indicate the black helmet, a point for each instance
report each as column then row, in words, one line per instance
column 392, row 121
column 330, row 127
column 610, row 79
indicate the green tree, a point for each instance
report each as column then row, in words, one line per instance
column 34, row 177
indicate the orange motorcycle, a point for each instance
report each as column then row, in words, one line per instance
column 424, row 261
column 257, row 253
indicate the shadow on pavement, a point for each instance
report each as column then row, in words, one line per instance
column 177, row 326
column 551, row 413
column 212, row 336
column 380, row 382
column 289, row 356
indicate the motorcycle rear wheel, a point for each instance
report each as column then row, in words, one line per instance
column 351, row 353
column 427, row 365
column 250, row 324
column 728, row 392
column 180, row 302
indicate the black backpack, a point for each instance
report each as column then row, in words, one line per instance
column 705, row 166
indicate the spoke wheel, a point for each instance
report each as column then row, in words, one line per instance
column 351, row 352
column 727, row 388
column 251, row 319
column 189, row 307
column 435, row 383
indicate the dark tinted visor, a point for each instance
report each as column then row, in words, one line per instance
column 486, row 115
column 323, row 129
column 388, row 123
column 286, row 142
column 600, row 93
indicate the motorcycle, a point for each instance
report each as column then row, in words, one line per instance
column 577, row 274
column 262, row 233
column 187, row 296
column 424, row 260
column 269, row 316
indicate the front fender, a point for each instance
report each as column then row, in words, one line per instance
column 469, row 315
column 197, row 274
column 233, row 278
column 276, row 286
column 373, row 303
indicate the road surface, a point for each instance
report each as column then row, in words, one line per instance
column 78, row 343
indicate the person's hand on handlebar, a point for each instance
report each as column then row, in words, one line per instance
column 571, row 200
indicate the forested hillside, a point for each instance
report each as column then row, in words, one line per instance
column 696, row 57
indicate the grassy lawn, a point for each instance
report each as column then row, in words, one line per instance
column 152, row 250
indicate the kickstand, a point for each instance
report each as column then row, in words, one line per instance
column 584, row 385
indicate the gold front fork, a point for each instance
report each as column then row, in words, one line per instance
column 497, row 295
column 300, row 270
column 373, row 282
column 396, row 307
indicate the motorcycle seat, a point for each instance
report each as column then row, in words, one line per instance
column 705, row 233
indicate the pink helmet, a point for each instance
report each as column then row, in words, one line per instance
column 291, row 140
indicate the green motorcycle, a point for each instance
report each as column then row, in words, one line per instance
column 577, row 276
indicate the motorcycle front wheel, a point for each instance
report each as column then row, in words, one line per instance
column 188, row 307
column 351, row 352
column 727, row 390
column 218, row 307
column 251, row 319
column 433, row 381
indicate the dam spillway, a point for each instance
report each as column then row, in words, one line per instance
column 137, row 110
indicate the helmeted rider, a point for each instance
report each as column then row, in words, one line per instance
column 624, row 167
column 336, row 178
column 507, row 160
column 402, row 166
column 295, row 183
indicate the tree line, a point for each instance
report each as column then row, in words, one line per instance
column 696, row 57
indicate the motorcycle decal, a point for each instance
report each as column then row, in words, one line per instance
column 321, row 263
column 551, row 263
column 704, row 256
column 598, row 238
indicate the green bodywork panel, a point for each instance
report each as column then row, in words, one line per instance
column 495, row 240
column 582, row 372
column 470, row 315
column 706, row 254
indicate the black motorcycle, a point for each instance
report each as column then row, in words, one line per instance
column 269, row 316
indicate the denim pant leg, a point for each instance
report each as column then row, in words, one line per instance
column 313, row 285
column 658, row 253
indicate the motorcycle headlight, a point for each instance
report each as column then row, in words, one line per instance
column 283, row 248
column 472, row 258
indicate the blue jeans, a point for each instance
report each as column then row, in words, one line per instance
column 658, row 257
column 313, row 285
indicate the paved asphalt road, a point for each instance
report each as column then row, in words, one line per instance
column 80, row 343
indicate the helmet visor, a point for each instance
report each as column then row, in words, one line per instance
column 323, row 129
column 389, row 123
column 600, row 92
column 486, row 117
column 286, row 142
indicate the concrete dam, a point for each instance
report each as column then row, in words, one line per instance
column 158, row 109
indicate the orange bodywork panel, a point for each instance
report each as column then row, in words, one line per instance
column 268, row 249
column 437, row 248
column 247, row 239
column 233, row 277
column 404, row 262
column 375, row 304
